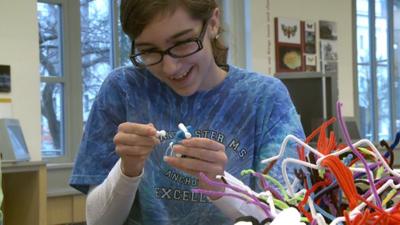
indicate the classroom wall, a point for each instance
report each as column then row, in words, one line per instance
column 262, row 14
column 19, row 48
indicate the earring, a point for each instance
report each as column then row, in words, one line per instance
column 216, row 37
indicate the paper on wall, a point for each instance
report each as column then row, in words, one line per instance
column 6, row 108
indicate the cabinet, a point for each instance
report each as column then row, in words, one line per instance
column 25, row 193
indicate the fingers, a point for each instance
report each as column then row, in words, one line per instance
column 136, row 128
column 135, row 139
column 133, row 143
column 203, row 143
column 203, row 149
column 201, row 154
column 136, row 134
column 194, row 166
column 138, row 152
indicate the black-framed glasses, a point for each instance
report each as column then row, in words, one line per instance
column 179, row 50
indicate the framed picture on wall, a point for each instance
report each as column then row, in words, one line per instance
column 288, row 30
column 289, row 58
column 5, row 78
column 310, row 62
column 309, row 38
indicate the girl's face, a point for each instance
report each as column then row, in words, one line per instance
column 187, row 75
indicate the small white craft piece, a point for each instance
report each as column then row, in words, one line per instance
column 183, row 128
column 183, row 133
column 179, row 155
column 161, row 133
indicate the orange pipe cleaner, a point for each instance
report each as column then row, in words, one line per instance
column 344, row 178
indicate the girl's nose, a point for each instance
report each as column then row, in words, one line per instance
column 170, row 65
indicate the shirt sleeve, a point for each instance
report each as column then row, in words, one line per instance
column 282, row 120
column 96, row 155
column 111, row 201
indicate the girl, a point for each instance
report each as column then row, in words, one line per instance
column 179, row 75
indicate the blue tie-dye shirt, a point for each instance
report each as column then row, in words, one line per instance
column 249, row 113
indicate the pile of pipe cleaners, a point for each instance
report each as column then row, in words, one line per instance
column 333, row 183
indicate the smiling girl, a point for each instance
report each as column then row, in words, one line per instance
column 179, row 75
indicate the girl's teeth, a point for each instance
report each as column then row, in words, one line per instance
column 181, row 76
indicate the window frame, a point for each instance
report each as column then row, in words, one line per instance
column 59, row 168
column 70, row 43
column 72, row 74
column 373, row 64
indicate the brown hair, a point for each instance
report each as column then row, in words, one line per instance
column 136, row 14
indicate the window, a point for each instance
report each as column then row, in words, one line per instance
column 378, row 36
column 96, row 51
column 101, row 41
column 52, row 78
column 76, row 55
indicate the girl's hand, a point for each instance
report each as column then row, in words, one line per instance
column 200, row 155
column 133, row 143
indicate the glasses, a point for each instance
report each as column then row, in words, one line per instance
column 179, row 50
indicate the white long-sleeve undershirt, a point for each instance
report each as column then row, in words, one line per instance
column 111, row 201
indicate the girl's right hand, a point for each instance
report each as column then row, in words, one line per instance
column 133, row 143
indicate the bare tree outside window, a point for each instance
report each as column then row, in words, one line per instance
column 50, row 43
column 96, row 48
column 98, row 58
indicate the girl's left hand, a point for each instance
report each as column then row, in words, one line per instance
column 200, row 155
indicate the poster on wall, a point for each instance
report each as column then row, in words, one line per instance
column 329, row 66
column 5, row 78
column 6, row 110
column 329, row 50
column 327, row 30
column 328, row 46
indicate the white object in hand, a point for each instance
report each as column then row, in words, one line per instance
column 183, row 128
column 161, row 133
column 179, row 155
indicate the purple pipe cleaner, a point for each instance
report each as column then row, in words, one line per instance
column 268, row 187
column 381, row 182
column 359, row 155
column 257, row 202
